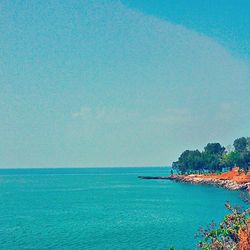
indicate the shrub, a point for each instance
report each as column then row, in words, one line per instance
column 233, row 232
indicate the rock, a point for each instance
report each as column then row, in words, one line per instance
column 201, row 179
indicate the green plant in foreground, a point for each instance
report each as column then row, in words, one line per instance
column 233, row 232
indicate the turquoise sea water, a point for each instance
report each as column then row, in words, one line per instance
column 105, row 208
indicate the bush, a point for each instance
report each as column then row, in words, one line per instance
column 232, row 233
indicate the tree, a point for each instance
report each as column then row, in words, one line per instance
column 212, row 162
column 214, row 148
column 212, row 155
column 196, row 162
column 189, row 161
column 215, row 157
column 248, row 143
column 244, row 161
column 247, row 158
column 240, row 144
column 231, row 159
column 183, row 162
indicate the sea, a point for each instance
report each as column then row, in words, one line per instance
column 104, row 209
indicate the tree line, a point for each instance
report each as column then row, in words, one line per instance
column 215, row 158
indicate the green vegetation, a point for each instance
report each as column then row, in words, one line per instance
column 214, row 158
column 232, row 233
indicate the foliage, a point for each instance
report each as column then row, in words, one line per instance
column 188, row 161
column 232, row 233
column 214, row 148
column 231, row 159
column 214, row 158
column 240, row 144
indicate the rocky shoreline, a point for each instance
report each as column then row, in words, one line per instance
column 230, row 184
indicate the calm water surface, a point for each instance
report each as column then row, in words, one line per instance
column 103, row 208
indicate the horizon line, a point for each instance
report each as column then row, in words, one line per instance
column 99, row 167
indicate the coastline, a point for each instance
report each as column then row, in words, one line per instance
column 232, row 180
column 197, row 179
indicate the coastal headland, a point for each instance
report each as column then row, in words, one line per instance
column 233, row 180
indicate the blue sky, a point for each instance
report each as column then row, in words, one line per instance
column 226, row 21
column 120, row 83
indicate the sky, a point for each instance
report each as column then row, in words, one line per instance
column 120, row 83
